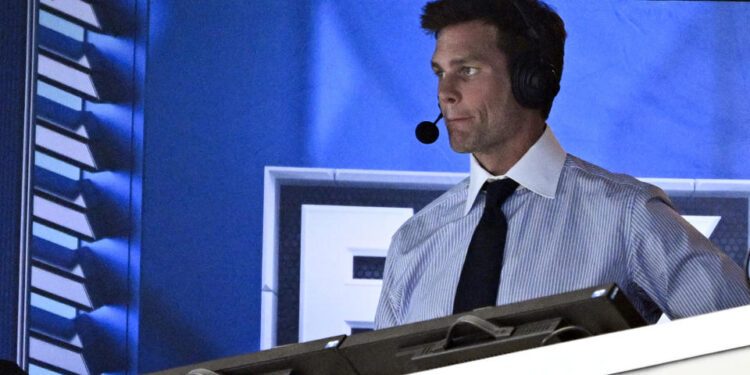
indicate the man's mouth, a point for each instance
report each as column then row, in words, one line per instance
column 452, row 121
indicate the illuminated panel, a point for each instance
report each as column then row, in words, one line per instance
column 57, row 356
column 59, row 96
column 56, row 165
column 57, row 285
column 55, row 236
column 65, row 146
column 77, row 9
column 62, row 215
column 55, row 307
column 36, row 370
column 62, row 26
column 51, row 327
column 82, row 131
column 84, row 62
column 78, row 201
column 66, row 75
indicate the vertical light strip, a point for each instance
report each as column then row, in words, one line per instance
column 62, row 221
column 27, row 169
column 58, row 285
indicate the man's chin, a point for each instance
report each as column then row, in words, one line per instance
column 460, row 147
column 461, row 150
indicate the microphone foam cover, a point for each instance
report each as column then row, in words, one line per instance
column 427, row 132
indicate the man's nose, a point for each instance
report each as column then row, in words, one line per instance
column 448, row 93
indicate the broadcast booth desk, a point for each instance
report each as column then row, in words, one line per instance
column 581, row 332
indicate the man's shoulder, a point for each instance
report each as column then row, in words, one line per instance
column 435, row 214
column 589, row 178
column 456, row 195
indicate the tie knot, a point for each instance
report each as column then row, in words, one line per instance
column 499, row 190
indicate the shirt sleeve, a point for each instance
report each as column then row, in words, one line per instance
column 676, row 266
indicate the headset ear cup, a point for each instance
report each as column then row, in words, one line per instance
column 534, row 81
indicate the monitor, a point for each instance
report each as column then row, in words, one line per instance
column 481, row 333
column 491, row 331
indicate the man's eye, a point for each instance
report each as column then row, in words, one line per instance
column 439, row 74
column 469, row 71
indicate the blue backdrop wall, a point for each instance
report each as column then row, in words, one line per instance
column 223, row 97
column 654, row 89
column 649, row 88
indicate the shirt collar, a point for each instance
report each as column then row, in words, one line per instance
column 538, row 169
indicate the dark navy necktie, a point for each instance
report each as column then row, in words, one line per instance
column 480, row 276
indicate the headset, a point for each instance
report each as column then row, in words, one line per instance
column 534, row 79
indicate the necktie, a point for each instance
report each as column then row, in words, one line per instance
column 480, row 276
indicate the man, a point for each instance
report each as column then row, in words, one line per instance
column 568, row 225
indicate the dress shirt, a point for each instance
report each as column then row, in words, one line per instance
column 571, row 225
column 538, row 170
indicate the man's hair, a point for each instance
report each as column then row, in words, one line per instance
column 514, row 37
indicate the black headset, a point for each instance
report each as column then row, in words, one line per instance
column 534, row 79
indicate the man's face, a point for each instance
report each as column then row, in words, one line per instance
column 474, row 89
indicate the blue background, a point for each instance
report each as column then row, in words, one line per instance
column 12, row 95
column 653, row 89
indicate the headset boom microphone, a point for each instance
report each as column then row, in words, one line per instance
column 427, row 132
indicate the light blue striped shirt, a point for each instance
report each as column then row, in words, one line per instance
column 571, row 225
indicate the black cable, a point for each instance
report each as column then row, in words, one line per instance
column 564, row 330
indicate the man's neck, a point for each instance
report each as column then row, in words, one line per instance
column 501, row 159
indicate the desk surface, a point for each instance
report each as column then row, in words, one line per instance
column 718, row 341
